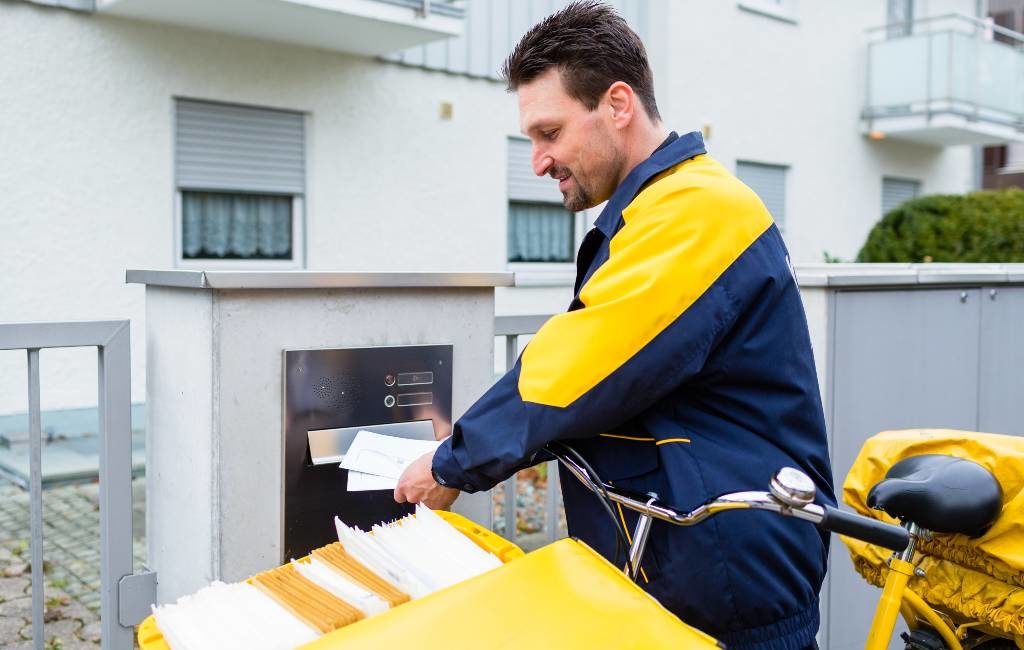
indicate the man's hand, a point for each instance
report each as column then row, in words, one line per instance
column 417, row 485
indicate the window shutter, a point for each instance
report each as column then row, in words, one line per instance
column 769, row 183
column 238, row 148
column 896, row 191
column 523, row 184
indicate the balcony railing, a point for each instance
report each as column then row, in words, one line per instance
column 362, row 27
column 946, row 80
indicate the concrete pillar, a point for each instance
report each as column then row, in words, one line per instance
column 214, row 392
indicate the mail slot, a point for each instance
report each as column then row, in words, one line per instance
column 330, row 395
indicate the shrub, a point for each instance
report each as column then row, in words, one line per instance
column 975, row 227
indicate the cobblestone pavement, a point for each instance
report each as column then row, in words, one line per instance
column 71, row 564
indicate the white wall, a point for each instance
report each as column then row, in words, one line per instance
column 791, row 94
column 86, row 136
column 86, row 127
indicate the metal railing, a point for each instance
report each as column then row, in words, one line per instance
column 124, row 596
column 511, row 328
column 971, row 24
column 951, row 63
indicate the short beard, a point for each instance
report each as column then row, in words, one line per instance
column 612, row 165
column 577, row 200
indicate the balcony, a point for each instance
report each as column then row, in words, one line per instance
column 361, row 27
column 943, row 81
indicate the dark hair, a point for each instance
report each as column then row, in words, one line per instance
column 592, row 46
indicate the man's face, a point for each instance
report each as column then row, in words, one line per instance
column 575, row 146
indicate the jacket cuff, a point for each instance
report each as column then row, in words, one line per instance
column 447, row 471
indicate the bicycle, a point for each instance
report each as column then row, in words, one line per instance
column 791, row 493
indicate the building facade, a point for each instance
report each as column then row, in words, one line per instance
column 375, row 135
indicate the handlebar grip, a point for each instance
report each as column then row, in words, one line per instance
column 865, row 529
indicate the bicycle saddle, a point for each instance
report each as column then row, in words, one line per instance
column 944, row 494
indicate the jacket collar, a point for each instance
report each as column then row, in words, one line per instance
column 675, row 150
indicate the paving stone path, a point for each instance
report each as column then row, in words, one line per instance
column 71, row 564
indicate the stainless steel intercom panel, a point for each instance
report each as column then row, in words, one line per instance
column 328, row 396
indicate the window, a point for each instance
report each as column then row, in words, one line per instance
column 240, row 179
column 1008, row 14
column 896, row 191
column 784, row 10
column 540, row 232
column 769, row 183
column 221, row 225
column 540, row 229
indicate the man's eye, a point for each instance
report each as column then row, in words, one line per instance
column 550, row 135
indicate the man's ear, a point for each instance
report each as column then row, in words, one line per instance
column 621, row 102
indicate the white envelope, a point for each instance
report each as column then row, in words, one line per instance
column 360, row 482
column 373, row 453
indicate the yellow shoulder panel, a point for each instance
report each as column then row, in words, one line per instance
column 680, row 234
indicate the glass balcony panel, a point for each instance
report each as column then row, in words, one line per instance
column 1000, row 77
column 903, row 84
column 947, row 82
column 950, row 77
column 963, row 69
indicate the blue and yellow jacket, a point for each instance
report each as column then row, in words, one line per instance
column 683, row 367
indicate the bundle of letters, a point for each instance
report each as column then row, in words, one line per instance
column 361, row 575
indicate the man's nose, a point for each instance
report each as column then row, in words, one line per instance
column 542, row 162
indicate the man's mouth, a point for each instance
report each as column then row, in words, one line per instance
column 563, row 180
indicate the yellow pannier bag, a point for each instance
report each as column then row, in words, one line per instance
column 980, row 579
column 563, row 595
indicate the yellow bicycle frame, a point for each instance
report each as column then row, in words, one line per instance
column 896, row 599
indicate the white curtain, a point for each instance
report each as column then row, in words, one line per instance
column 236, row 226
column 540, row 233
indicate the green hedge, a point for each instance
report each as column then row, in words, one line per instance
column 976, row 227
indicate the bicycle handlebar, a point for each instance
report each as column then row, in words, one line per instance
column 864, row 528
column 824, row 517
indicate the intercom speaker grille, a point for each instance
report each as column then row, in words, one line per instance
column 337, row 392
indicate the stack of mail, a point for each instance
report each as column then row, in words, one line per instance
column 362, row 575
column 375, row 461
column 419, row 554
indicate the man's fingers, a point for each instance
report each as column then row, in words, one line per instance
column 400, row 494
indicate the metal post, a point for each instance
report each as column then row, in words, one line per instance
column 124, row 596
column 907, row 554
column 636, row 550
column 35, row 463
column 510, row 507
column 511, row 351
column 116, row 560
column 554, row 491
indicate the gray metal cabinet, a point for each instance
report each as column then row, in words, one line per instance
column 905, row 347
column 900, row 359
column 1000, row 388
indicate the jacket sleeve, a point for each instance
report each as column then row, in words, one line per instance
column 652, row 313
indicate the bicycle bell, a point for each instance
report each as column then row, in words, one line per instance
column 792, row 487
